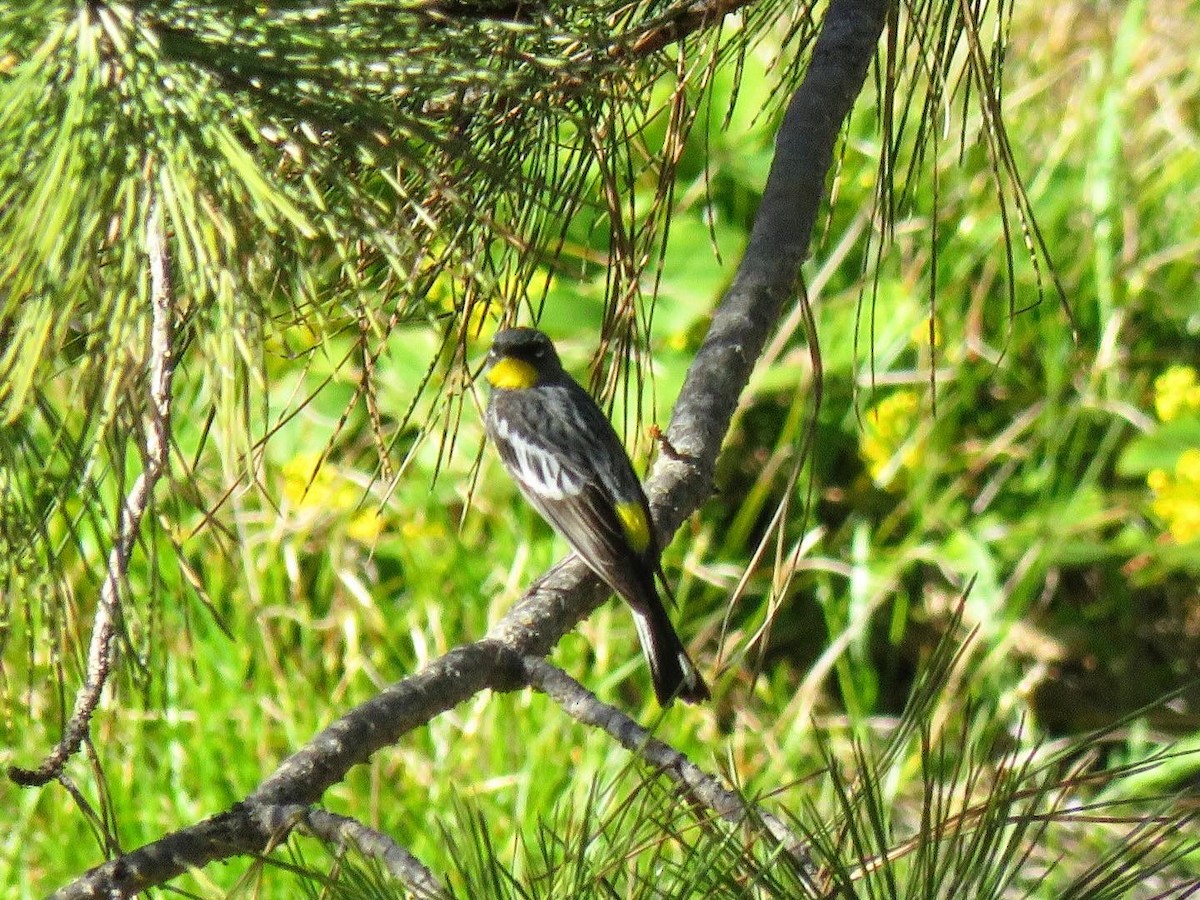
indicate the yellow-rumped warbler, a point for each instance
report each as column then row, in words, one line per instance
column 569, row 463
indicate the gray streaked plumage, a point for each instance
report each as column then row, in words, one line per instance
column 569, row 463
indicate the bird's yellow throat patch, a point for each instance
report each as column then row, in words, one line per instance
column 512, row 374
column 634, row 524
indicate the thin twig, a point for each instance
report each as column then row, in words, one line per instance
column 157, row 438
column 749, row 310
column 584, row 706
column 342, row 832
column 682, row 21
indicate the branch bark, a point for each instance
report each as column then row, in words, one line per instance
column 583, row 706
column 766, row 277
column 343, row 831
column 129, row 519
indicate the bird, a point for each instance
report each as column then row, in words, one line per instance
column 568, row 462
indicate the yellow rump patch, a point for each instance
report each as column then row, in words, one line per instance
column 512, row 374
column 634, row 524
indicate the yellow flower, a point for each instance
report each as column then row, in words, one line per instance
column 328, row 493
column 920, row 334
column 1188, row 466
column 366, row 526
column 886, row 443
column 1177, row 496
column 1176, row 392
column 303, row 488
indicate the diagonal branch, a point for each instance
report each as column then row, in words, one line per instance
column 583, row 706
column 766, row 277
column 342, row 832
column 158, row 431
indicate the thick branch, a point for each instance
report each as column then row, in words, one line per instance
column 129, row 519
column 769, row 270
column 248, row 828
column 766, row 276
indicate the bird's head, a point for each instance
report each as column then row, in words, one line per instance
column 520, row 358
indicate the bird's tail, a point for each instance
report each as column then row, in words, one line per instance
column 672, row 671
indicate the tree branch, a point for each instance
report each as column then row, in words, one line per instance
column 770, row 267
column 343, row 832
column 680, row 22
column 749, row 310
column 584, row 706
column 158, row 431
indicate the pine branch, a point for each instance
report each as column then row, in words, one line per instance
column 344, row 831
column 681, row 22
column 766, row 277
column 584, row 706
column 158, row 432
